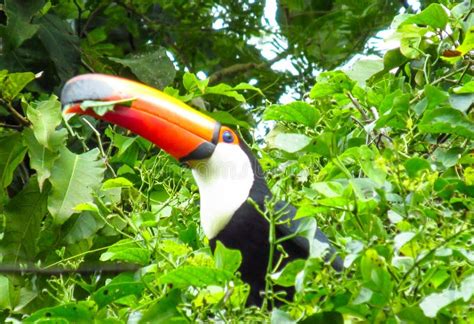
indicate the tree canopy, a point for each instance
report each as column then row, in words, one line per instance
column 374, row 146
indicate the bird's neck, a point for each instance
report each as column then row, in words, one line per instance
column 225, row 182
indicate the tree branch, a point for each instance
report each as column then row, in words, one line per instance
column 243, row 67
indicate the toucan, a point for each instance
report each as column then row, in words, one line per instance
column 233, row 191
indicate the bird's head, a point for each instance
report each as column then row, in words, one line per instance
column 222, row 165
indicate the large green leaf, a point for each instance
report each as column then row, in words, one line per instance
column 24, row 214
column 434, row 15
column 447, row 120
column 152, row 67
column 61, row 44
column 364, row 69
column 19, row 27
column 296, row 112
column 12, row 151
column 74, row 178
column 45, row 117
column 127, row 250
column 123, row 285
column 81, row 312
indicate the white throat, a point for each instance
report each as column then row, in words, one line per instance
column 224, row 182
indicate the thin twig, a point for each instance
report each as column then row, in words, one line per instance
column 21, row 119
column 10, row 126
column 101, row 148
column 357, row 105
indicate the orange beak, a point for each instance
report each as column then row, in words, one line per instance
column 170, row 124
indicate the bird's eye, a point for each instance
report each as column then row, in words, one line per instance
column 227, row 136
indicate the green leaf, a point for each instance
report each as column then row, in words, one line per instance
column 365, row 294
column 227, row 259
column 74, row 179
column 24, row 214
column 414, row 165
column 197, row 276
column 381, row 285
column 246, row 86
column 466, row 88
column 433, row 303
column 295, row 112
column 394, row 110
column 323, row 318
column 288, row 142
column 331, row 83
column 116, row 290
column 401, row 239
column 61, row 44
column 165, row 310
column 41, row 159
column 413, row 314
column 367, row 158
column 5, row 296
column 14, row 83
column 83, row 226
column 409, row 47
column 127, row 250
column 191, row 82
column 447, row 158
column 369, row 262
column 102, row 107
column 305, row 211
column 434, row 15
column 12, row 151
column 152, row 67
column 435, row 96
column 226, row 118
column 447, row 121
column 461, row 102
column 45, row 117
column 468, row 42
column 287, row 276
column 393, row 59
column 363, row 69
column 118, row 182
column 225, row 90
column 19, row 27
column 330, row 189
column 281, row 317
column 74, row 312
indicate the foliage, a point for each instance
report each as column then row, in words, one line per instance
column 379, row 156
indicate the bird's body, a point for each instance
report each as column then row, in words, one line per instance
column 229, row 177
column 248, row 231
